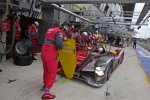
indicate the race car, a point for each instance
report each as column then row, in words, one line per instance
column 94, row 67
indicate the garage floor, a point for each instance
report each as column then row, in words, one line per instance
column 126, row 83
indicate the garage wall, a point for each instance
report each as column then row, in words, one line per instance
column 45, row 24
column 3, row 38
column 48, row 15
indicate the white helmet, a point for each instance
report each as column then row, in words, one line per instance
column 85, row 33
column 96, row 31
column 36, row 23
column 72, row 26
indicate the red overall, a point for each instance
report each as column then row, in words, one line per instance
column 70, row 31
column 63, row 33
column 18, row 31
column 78, row 40
column 90, row 39
column 33, row 35
column 17, row 36
column 96, row 38
column 48, row 55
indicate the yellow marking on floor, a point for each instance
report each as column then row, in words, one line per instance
column 145, row 76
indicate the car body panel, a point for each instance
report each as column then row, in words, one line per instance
column 85, row 68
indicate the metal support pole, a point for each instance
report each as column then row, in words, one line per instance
column 31, row 8
column 93, row 1
column 69, row 12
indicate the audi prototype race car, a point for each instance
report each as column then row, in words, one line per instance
column 94, row 66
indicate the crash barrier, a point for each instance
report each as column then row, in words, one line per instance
column 13, row 39
column 4, row 27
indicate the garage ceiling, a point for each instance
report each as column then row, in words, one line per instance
column 95, row 1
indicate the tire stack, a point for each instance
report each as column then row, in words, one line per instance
column 23, row 49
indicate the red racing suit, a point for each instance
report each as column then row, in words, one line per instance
column 49, row 54
column 33, row 32
column 78, row 40
column 18, row 31
column 90, row 38
column 70, row 32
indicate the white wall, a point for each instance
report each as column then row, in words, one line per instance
column 3, row 37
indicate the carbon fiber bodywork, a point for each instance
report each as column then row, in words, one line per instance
column 108, row 62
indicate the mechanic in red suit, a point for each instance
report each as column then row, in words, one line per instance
column 18, row 32
column 85, row 38
column 33, row 34
column 96, row 37
column 79, row 43
column 53, row 42
column 90, row 37
column 70, row 30
column 18, row 29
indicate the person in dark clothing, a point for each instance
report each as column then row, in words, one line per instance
column 118, row 40
column 134, row 43
column 111, row 39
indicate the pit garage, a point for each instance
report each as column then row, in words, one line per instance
column 102, row 65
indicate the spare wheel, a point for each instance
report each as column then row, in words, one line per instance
column 24, row 47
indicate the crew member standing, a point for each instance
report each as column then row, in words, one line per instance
column 18, row 29
column 134, row 43
column 18, row 33
column 32, row 35
column 90, row 38
column 118, row 41
column 79, row 42
column 96, row 37
column 53, row 42
column 70, row 30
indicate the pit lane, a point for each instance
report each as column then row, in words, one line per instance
column 126, row 83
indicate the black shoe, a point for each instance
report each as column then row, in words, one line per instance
column 34, row 59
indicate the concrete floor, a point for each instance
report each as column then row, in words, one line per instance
column 126, row 83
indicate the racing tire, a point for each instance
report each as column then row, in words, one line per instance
column 22, row 60
column 23, row 47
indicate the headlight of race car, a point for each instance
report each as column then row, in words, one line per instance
column 99, row 71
